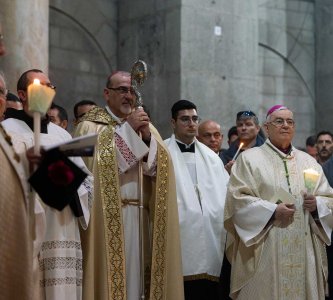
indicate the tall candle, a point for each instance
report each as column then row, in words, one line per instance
column 240, row 147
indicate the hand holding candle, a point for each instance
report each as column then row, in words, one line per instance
column 311, row 177
column 39, row 100
column 240, row 147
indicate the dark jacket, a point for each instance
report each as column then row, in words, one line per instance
column 228, row 154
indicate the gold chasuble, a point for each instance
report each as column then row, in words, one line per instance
column 104, row 263
column 15, row 226
column 270, row 262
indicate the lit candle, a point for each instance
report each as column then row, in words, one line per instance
column 310, row 181
column 39, row 97
column 39, row 100
column 240, row 147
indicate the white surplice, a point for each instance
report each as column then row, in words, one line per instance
column 58, row 245
column 201, row 209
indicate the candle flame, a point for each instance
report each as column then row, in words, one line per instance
column 311, row 171
column 241, row 145
column 36, row 81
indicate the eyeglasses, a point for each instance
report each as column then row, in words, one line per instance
column 186, row 120
column 48, row 84
column 216, row 135
column 279, row 122
column 3, row 92
column 122, row 90
column 51, row 86
column 245, row 113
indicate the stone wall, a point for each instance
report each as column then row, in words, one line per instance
column 324, row 64
column 224, row 55
column 150, row 30
column 287, row 61
column 219, row 72
column 83, row 49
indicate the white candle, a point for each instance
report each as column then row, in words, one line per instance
column 310, row 180
column 37, row 132
column 240, row 147
column 39, row 100
column 39, row 97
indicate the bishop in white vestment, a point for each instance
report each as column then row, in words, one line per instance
column 278, row 229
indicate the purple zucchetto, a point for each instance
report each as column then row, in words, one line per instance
column 275, row 108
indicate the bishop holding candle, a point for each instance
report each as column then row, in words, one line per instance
column 283, row 248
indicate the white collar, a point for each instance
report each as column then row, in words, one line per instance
column 119, row 120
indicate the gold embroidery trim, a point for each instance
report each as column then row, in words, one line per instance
column 111, row 201
column 97, row 115
column 201, row 276
column 8, row 139
column 158, row 271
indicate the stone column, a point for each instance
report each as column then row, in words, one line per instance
column 324, row 65
column 219, row 50
column 25, row 26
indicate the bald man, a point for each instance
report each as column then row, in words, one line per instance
column 209, row 133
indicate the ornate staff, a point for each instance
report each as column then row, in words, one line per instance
column 138, row 76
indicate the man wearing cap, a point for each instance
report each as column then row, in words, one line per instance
column 276, row 229
column 201, row 184
column 57, row 247
column 248, row 130
column 111, row 245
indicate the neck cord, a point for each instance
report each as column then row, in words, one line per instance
column 284, row 159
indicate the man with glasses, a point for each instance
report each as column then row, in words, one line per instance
column 57, row 247
column 277, row 230
column 111, row 248
column 201, row 184
column 248, row 130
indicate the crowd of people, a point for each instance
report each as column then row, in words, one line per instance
column 179, row 218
